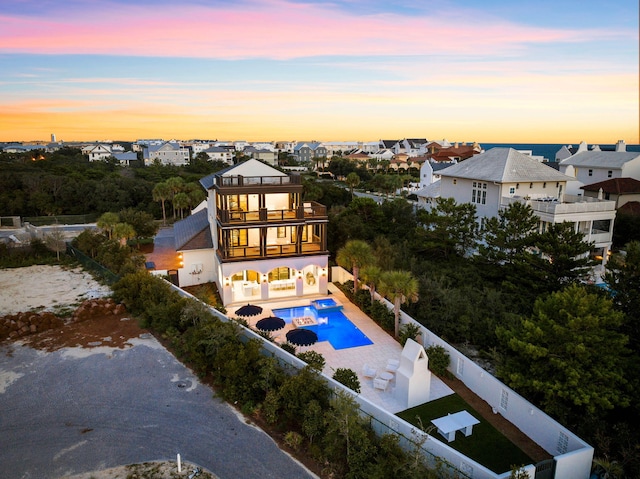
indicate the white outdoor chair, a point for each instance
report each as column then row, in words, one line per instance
column 393, row 365
column 379, row 383
column 369, row 372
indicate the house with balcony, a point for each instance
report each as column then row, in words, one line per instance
column 306, row 152
column 168, row 153
column 219, row 153
column 256, row 239
column 588, row 166
column 500, row 176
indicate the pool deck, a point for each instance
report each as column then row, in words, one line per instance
column 384, row 347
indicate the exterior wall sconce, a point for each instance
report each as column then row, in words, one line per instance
column 299, row 274
column 323, row 272
column 227, row 281
column 264, row 278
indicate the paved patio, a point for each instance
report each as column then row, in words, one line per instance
column 384, row 347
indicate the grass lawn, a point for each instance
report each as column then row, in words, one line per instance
column 486, row 445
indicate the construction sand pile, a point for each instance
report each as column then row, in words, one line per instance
column 46, row 288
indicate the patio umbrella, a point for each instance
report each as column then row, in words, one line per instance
column 249, row 310
column 272, row 323
column 302, row 337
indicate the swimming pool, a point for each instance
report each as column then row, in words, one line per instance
column 338, row 330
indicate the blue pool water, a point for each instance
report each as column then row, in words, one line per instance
column 339, row 331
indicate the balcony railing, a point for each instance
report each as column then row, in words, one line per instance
column 310, row 209
column 570, row 204
column 282, row 250
column 232, row 181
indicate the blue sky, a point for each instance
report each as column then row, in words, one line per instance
column 497, row 71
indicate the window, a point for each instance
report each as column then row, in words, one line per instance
column 282, row 231
column 455, row 181
column 238, row 237
column 279, row 273
column 238, row 202
column 590, row 172
column 609, row 174
column 479, row 193
column 512, row 190
column 460, row 368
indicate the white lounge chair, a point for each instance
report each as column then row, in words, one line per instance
column 379, row 383
column 369, row 371
column 393, row 365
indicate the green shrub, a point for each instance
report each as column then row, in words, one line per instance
column 438, row 360
column 348, row 378
column 271, row 406
column 288, row 347
column 408, row 331
column 313, row 359
column 293, row 440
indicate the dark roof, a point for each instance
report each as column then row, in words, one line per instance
column 630, row 208
column 208, row 181
column 441, row 165
column 618, row 186
column 388, row 143
column 193, row 232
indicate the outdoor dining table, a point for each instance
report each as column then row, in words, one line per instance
column 460, row 421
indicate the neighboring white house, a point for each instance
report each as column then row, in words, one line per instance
column 168, row 153
column 219, row 153
column 595, row 165
column 98, row 152
column 257, row 239
column 500, row 176
column 429, row 187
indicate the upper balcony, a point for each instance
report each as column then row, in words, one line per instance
column 256, row 181
column 569, row 205
column 308, row 210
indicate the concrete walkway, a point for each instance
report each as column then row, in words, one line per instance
column 384, row 347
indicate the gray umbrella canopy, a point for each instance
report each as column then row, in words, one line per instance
column 249, row 310
column 272, row 323
column 302, row 337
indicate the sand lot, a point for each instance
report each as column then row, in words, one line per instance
column 46, row 288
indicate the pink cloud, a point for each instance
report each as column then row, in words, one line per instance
column 271, row 29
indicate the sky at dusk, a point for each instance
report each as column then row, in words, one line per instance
column 558, row 71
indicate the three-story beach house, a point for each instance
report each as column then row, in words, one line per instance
column 258, row 239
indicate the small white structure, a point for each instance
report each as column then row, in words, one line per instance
column 413, row 378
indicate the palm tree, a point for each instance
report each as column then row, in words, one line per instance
column 176, row 184
column 354, row 255
column 180, row 202
column 123, row 232
column 107, row 222
column 371, row 275
column 162, row 192
column 352, row 181
column 400, row 287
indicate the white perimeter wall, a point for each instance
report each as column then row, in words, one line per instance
column 573, row 464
